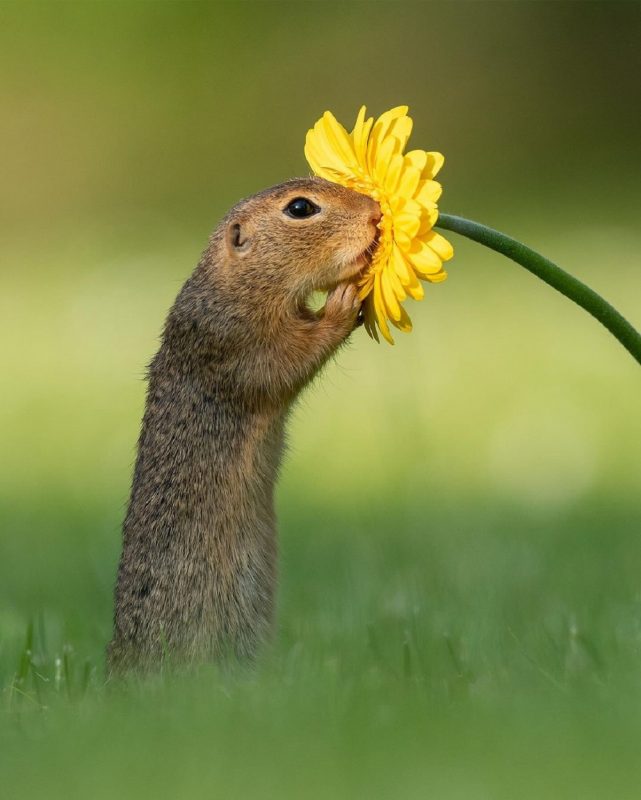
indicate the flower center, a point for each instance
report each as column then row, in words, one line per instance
column 365, row 185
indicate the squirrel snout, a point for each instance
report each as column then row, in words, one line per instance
column 374, row 218
column 375, row 213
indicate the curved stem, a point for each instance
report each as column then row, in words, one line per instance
column 554, row 276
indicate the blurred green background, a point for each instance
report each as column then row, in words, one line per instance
column 460, row 606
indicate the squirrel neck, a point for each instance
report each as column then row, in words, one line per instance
column 196, row 438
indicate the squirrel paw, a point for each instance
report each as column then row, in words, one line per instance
column 343, row 306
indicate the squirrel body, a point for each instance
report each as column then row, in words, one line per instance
column 197, row 575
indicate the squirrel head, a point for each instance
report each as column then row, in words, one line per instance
column 300, row 236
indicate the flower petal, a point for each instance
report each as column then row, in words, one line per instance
column 396, row 284
column 389, row 297
column 416, row 159
column 424, row 259
column 400, row 265
column 401, row 129
column 414, row 288
column 404, row 323
column 429, row 217
column 403, row 239
column 433, row 165
column 393, row 173
column 379, row 132
column 339, row 138
column 428, row 192
column 408, row 223
column 360, row 135
column 408, row 182
column 439, row 245
column 357, row 130
column 381, row 316
column 369, row 317
column 406, row 274
column 387, row 150
column 400, row 205
column 366, row 285
column 438, row 278
column 320, row 153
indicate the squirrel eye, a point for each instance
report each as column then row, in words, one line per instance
column 301, row 207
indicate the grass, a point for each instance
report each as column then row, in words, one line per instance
column 482, row 653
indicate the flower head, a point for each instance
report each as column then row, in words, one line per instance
column 370, row 160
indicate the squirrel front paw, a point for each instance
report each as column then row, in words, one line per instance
column 342, row 308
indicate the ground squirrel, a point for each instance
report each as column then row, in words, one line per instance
column 197, row 574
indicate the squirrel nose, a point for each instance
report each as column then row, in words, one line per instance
column 375, row 213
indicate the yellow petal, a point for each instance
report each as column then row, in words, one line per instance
column 337, row 176
column 387, row 150
column 379, row 131
column 433, row 165
column 366, row 285
column 424, row 259
column 401, row 129
column 400, row 265
column 408, row 223
column 408, row 182
column 360, row 135
column 438, row 277
column 428, row 192
column 312, row 154
column 416, row 159
column 389, row 298
column 322, row 160
column 403, row 239
column 339, row 138
column 384, row 122
column 406, row 274
column 381, row 316
column 323, row 148
column 369, row 318
column 401, row 205
column 439, row 245
column 404, row 323
column 357, row 130
column 393, row 173
column 320, row 153
column 429, row 217
column 414, row 287
column 396, row 284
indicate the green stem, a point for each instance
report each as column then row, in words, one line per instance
column 554, row 276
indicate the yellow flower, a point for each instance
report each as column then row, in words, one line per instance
column 370, row 160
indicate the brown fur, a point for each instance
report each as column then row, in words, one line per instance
column 197, row 575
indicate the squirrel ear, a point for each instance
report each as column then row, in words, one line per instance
column 236, row 238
